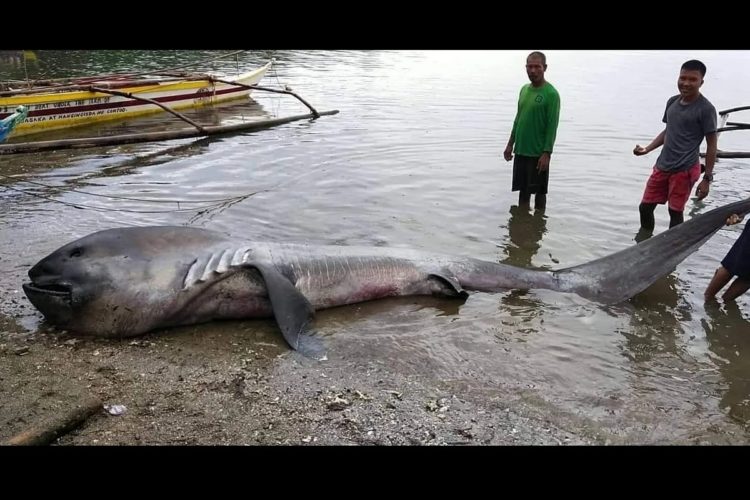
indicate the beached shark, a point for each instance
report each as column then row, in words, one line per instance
column 127, row 281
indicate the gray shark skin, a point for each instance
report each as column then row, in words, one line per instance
column 127, row 281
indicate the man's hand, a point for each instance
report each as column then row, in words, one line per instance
column 508, row 153
column 733, row 219
column 702, row 190
column 543, row 163
column 639, row 150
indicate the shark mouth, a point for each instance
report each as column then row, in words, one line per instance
column 53, row 300
column 53, row 289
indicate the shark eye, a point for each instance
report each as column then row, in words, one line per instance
column 76, row 252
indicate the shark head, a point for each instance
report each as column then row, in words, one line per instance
column 116, row 282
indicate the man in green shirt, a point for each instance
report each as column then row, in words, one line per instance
column 534, row 132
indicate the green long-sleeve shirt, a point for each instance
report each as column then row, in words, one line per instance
column 535, row 126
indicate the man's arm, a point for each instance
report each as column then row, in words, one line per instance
column 704, row 186
column 553, row 120
column 508, row 153
column 656, row 143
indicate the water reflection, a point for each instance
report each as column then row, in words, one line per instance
column 728, row 335
column 655, row 316
column 655, row 320
column 225, row 113
column 526, row 228
column 77, row 190
column 525, row 231
column 194, row 148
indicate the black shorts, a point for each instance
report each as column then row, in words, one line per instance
column 527, row 178
column 737, row 260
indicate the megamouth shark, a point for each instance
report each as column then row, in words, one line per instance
column 127, row 281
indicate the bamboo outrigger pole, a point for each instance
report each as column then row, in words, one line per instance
column 275, row 91
column 146, row 99
column 90, row 142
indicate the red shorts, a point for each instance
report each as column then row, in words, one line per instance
column 673, row 187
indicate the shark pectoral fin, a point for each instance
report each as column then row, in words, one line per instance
column 292, row 310
column 311, row 347
column 449, row 285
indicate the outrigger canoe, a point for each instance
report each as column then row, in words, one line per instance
column 89, row 100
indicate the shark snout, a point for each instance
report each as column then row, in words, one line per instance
column 41, row 270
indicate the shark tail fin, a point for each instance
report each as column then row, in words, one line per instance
column 619, row 276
